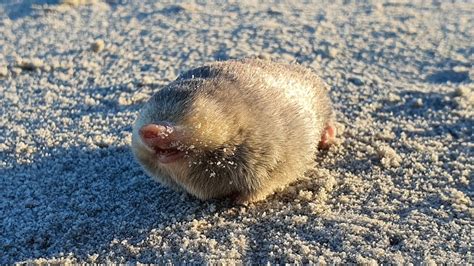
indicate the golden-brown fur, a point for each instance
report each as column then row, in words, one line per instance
column 250, row 126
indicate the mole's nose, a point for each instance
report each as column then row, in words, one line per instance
column 159, row 136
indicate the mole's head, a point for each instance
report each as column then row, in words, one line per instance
column 179, row 127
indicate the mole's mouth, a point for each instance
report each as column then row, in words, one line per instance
column 169, row 155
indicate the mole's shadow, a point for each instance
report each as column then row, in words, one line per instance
column 78, row 201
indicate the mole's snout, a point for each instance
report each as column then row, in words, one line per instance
column 165, row 140
column 160, row 136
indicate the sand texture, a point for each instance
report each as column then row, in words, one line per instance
column 398, row 188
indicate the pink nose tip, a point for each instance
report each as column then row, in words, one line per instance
column 158, row 136
column 155, row 130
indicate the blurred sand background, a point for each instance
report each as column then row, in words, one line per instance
column 397, row 189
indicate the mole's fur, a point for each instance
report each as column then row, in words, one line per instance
column 240, row 128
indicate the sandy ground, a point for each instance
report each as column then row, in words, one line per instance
column 397, row 189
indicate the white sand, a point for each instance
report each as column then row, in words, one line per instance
column 397, row 189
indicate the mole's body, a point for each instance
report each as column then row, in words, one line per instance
column 238, row 128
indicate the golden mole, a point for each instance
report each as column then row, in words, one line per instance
column 237, row 128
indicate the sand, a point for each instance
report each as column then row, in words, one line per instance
column 397, row 189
